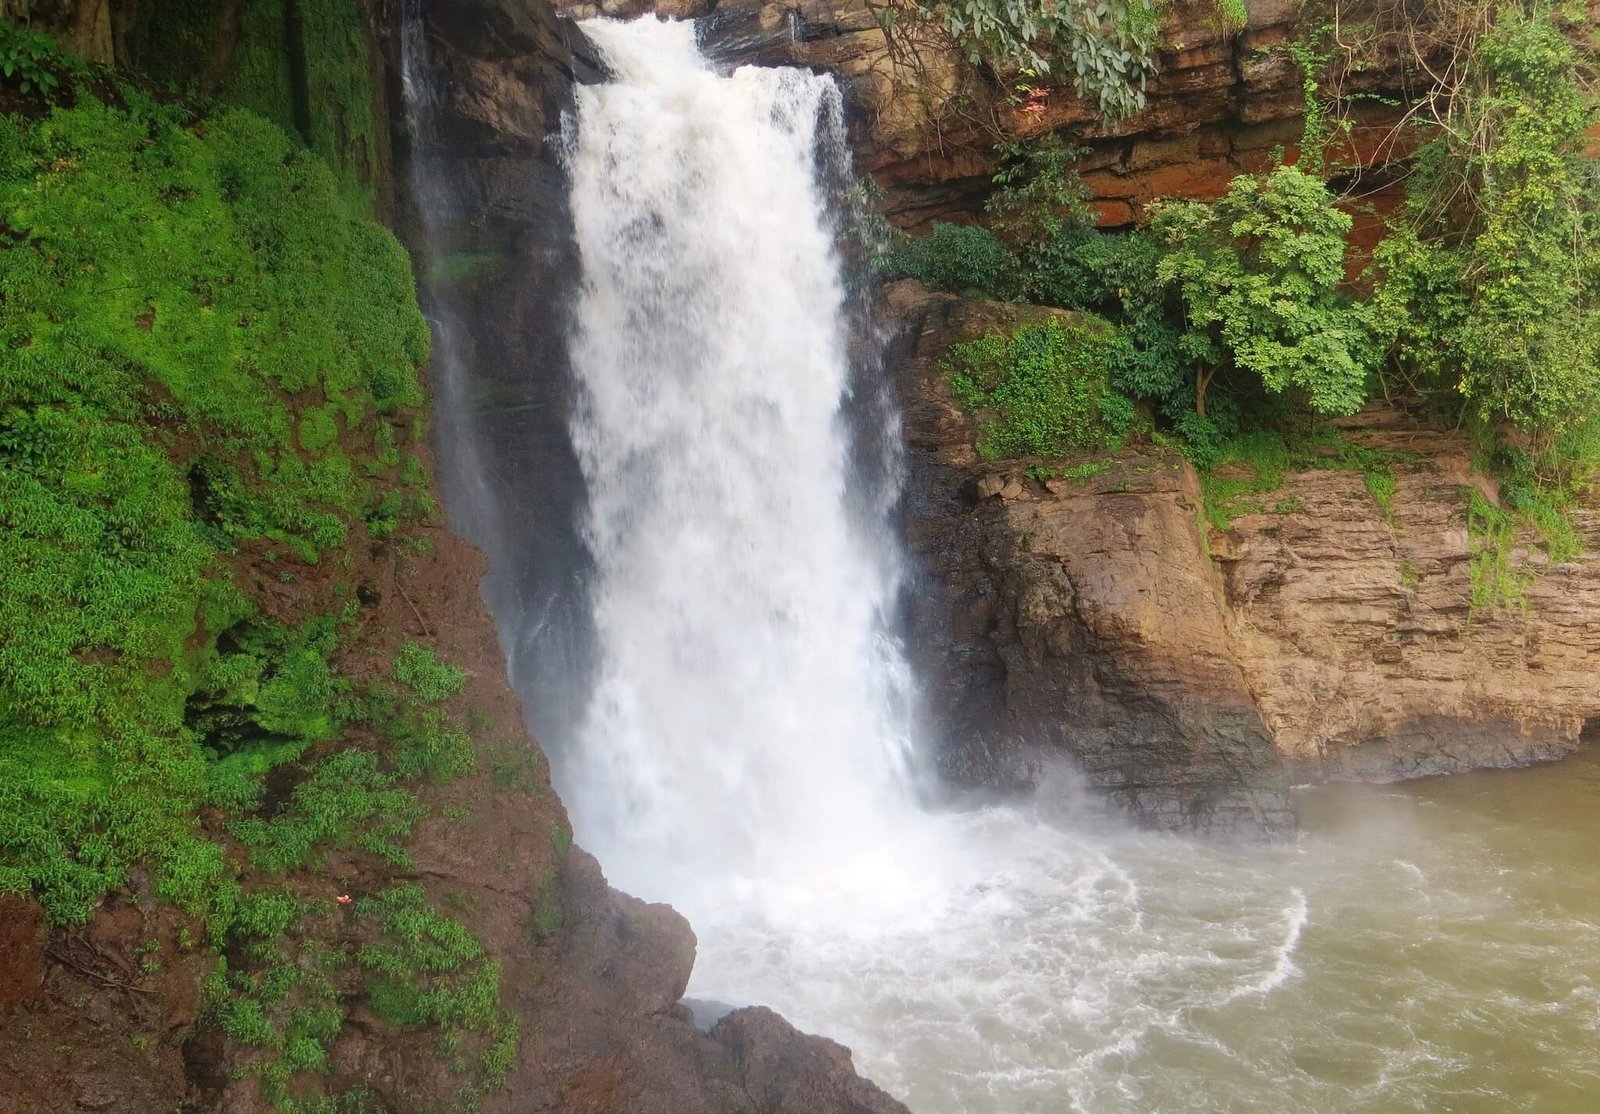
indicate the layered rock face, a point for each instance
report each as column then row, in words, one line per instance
column 1192, row 674
column 1223, row 102
column 487, row 221
column 1355, row 625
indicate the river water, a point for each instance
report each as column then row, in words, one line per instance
column 747, row 752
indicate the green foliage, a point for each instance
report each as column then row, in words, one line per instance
column 1248, row 467
column 345, row 798
column 281, row 997
column 1492, row 535
column 173, row 296
column 1039, row 191
column 1408, row 574
column 1106, row 46
column 418, row 940
column 429, row 744
column 33, row 62
column 560, row 838
column 1258, row 272
column 1488, row 283
column 431, row 971
column 1316, row 128
column 1116, row 276
column 1226, row 315
column 1381, row 486
column 958, row 258
column 501, row 1055
column 418, row 669
column 867, row 231
column 549, row 914
column 1529, row 508
column 1044, row 391
column 267, row 694
column 425, row 742
column 1086, row 470
column 311, row 76
column 1234, row 15
column 417, row 968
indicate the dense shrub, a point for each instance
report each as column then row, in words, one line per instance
column 1044, row 391
column 962, row 259
column 171, row 293
column 1039, row 192
column 1116, row 275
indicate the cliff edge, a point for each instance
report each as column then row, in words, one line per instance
column 1191, row 665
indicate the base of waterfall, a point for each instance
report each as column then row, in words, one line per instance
column 1416, row 945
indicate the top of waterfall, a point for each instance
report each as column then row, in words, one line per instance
column 646, row 50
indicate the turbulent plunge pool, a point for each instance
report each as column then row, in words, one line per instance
column 748, row 755
column 1430, row 946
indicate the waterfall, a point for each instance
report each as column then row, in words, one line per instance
column 463, row 473
column 741, row 746
column 749, row 726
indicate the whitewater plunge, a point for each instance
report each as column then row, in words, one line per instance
column 749, row 727
column 746, row 753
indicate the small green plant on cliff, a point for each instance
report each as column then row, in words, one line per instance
column 279, row 997
column 1235, row 17
column 345, row 798
column 1529, row 513
column 1043, row 391
column 427, row 969
column 418, row 669
column 1104, row 47
column 1252, row 465
column 1492, row 536
column 963, row 259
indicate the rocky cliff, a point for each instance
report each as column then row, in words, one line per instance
column 1356, row 626
column 927, row 125
column 1075, row 618
column 1192, row 673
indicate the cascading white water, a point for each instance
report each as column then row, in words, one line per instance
column 750, row 720
column 746, row 754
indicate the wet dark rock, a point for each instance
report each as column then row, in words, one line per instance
column 783, row 1072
